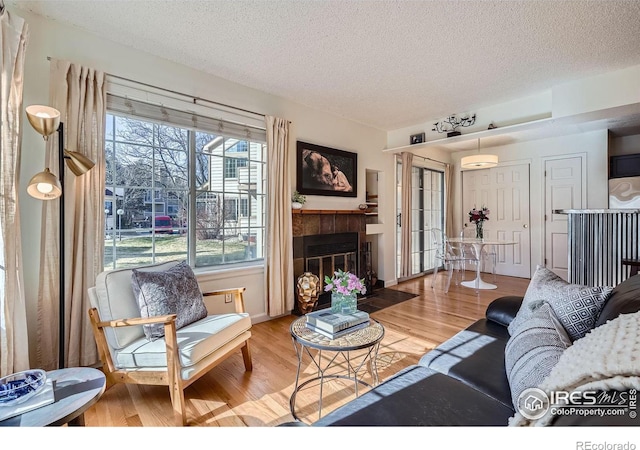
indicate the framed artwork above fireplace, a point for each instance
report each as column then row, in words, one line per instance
column 326, row 171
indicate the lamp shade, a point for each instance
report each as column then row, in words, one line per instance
column 78, row 163
column 44, row 119
column 44, row 186
column 479, row 161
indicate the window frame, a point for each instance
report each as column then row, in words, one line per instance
column 252, row 226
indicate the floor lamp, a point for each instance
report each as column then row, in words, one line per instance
column 45, row 186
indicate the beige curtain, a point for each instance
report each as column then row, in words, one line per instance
column 448, row 200
column 405, row 210
column 14, row 344
column 279, row 268
column 79, row 94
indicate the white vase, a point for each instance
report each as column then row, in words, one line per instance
column 296, row 205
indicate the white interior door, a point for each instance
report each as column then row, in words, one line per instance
column 505, row 191
column 563, row 190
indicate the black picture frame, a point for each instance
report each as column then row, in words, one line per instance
column 326, row 171
column 417, row 138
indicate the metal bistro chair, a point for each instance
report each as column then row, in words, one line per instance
column 489, row 252
column 449, row 257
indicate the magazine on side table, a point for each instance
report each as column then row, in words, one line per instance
column 334, row 322
column 338, row 334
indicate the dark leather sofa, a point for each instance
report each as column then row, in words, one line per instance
column 462, row 382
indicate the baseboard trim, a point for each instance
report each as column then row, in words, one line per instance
column 262, row 317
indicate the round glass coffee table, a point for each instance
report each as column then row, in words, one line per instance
column 306, row 341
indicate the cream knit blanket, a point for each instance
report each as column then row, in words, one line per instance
column 607, row 358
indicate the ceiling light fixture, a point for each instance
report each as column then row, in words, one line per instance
column 479, row 161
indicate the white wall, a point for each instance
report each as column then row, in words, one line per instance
column 608, row 90
column 624, row 145
column 592, row 146
column 48, row 38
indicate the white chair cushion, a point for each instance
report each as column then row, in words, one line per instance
column 195, row 342
column 115, row 300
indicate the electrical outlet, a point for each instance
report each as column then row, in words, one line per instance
column 228, row 298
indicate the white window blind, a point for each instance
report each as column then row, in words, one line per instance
column 181, row 118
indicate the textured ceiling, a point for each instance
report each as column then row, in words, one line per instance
column 388, row 64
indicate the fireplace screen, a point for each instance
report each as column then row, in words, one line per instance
column 328, row 264
column 324, row 254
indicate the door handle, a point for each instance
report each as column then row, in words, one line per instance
column 525, row 226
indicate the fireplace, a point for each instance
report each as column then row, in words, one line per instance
column 325, row 241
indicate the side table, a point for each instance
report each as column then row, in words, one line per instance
column 304, row 340
column 75, row 390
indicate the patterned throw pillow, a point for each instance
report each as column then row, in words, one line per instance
column 533, row 349
column 174, row 291
column 542, row 283
column 576, row 306
column 579, row 308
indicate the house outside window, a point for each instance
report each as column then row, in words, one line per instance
column 231, row 209
column 183, row 173
column 231, row 165
column 244, row 210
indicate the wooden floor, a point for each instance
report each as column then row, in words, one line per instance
column 230, row 397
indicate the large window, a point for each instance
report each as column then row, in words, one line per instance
column 175, row 192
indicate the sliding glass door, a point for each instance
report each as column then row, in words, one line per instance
column 427, row 211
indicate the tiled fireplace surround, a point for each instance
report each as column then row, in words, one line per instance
column 324, row 223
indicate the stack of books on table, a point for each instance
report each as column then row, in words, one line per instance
column 335, row 325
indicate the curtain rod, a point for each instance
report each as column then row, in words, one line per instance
column 431, row 159
column 193, row 99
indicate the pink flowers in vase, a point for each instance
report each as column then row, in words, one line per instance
column 344, row 283
column 479, row 215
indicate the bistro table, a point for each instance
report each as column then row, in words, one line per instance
column 478, row 245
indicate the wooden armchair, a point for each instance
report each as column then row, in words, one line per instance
column 178, row 359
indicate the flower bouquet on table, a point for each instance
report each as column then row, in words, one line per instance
column 478, row 216
column 344, row 288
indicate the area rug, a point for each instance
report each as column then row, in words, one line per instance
column 379, row 299
column 382, row 298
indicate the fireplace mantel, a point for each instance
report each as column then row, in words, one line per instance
column 308, row 222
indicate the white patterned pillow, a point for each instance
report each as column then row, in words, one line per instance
column 576, row 306
column 174, row 291
column 542, row 282
column 579, row 308
column 533, row 349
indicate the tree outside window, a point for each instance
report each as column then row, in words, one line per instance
column 149, row 164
